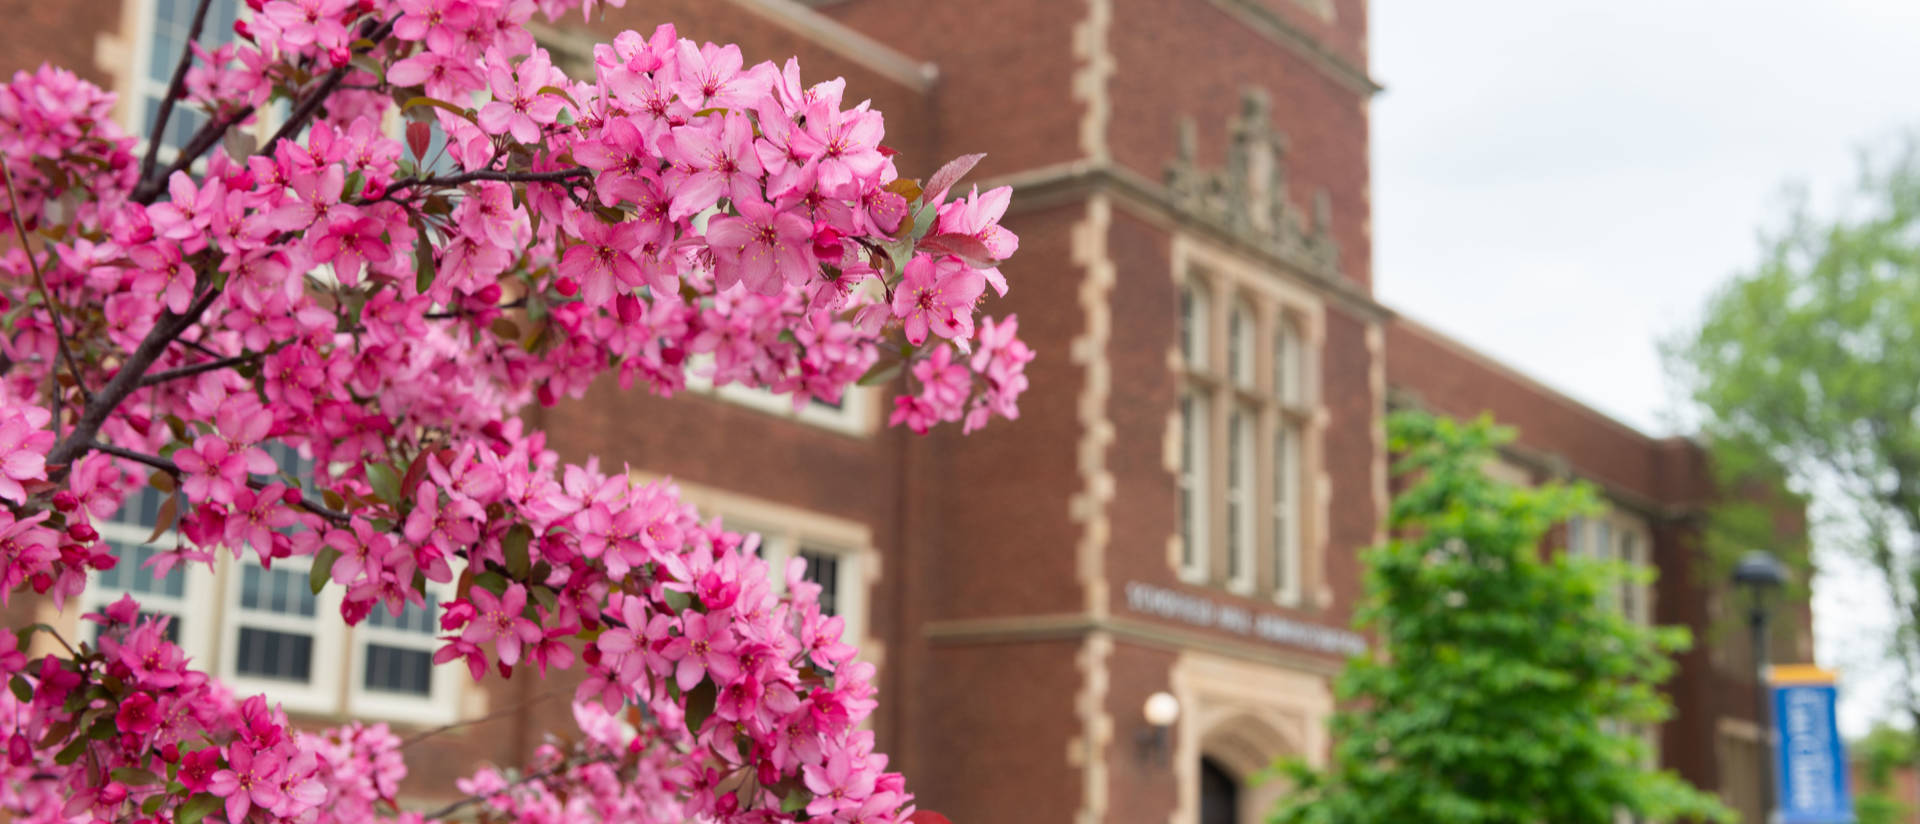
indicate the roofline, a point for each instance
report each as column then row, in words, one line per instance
column 846, row 41
column 1485, row 360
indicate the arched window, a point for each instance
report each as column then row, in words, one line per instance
column 1219, row 794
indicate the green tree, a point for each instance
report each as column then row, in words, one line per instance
column 1879, row 756
column 1505, row 688
column 1810, row 362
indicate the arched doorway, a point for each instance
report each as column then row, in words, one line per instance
column 1219, row 794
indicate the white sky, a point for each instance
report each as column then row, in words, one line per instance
column 1561, row 183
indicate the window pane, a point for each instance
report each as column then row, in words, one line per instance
column 392, row 669
column 823, row 568
column 283, row 656
column 1284, row 520
column 1240, row 460
column 1287, row 362
column 1194, row 302
column 1193, row 478
column 412, row 618
column 1240, row 329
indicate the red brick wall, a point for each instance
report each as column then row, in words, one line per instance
column 61, row 33
column 1006, row 69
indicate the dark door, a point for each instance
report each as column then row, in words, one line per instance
column 1219, row 795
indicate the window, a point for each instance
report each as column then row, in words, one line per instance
column 1622, row 539
column 1240, row 329
column 392, row 673
column 839, row 554
column 1257, row 438
column 173, row 595
column 157, row 50
column 1290, row 420
column 279, row 640
column 1285, row 553
column 853, row 415
column 834, row 565
column 1240, row 521
column 263, row 630
column 1193, row 509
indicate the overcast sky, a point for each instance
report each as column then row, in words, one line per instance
column 1561, row 183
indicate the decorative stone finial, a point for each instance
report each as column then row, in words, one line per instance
column 1247, row 197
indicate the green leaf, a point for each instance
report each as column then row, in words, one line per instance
column 881, row 373
column 560, row 93
column 491, row 581
column 21, row 689
column 514, row 545
column 196, row 808
column 322, row 568
column 385, row 482
column 423, row 266
column 71, row 752
column 543, row 595
column 134, row 776
column 676, row 600
column 700, row 703
column 440, row 104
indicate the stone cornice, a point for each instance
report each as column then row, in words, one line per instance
column 845, row 41
column 1073, row 626
column 1270, row 24
column 1049, row 186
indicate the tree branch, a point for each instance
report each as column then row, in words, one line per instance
column 542, row 775
column 40, row 282
column 195, row 369
column 124, row 382
column 176, row 88
column 149, row 189
column 173, row 469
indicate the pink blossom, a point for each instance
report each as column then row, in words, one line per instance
column 704, row 646
column 24, row 442
column 937, row 295
column 499, row 620
column 765, row 248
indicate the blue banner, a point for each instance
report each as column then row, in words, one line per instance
column 1810, row 767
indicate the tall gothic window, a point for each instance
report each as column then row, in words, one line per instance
column 1243, row 410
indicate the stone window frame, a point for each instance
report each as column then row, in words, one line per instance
column 1618, row 526
column 787, row 530
column 1285, row 412
column 209, row 618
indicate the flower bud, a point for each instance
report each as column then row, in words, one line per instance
column 18, row 751
column 65, row 501
column 566, row 287
column 84, row 533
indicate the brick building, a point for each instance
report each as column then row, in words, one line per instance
column 1181, row 504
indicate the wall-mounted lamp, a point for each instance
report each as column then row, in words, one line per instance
column 1160, row 711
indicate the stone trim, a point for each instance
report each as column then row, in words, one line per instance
column 1245, row 716
column 1088, row 750
column 1271, row 25
column 1069, row 626
column 1088, row 507
column 1091, row 45
column 1248, row 195
column 846, row 41
column 1054, row 185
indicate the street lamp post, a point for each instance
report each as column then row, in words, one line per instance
column 1760, row 574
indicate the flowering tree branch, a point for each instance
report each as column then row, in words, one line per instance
column 677, row 215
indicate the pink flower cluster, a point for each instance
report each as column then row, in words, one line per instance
column 384, row 308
